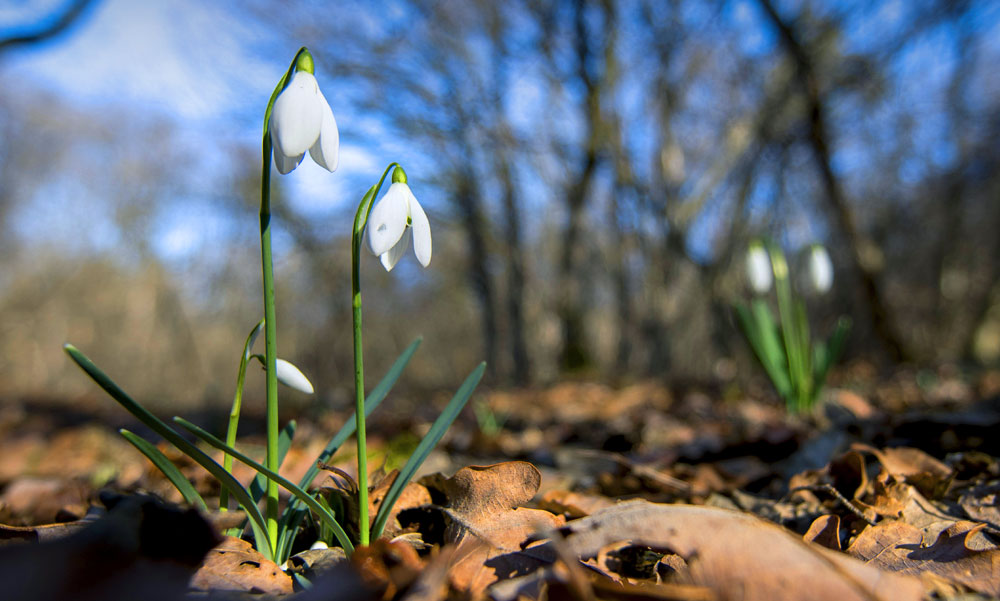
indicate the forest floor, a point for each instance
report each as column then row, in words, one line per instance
column 888, row 490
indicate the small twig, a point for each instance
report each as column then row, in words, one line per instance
column 836, row 493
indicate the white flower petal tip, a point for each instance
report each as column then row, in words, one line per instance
column 326, row 150
column 389, row 226
column 302, row 121
column 421, row 232
column 290, row 376
column 319, row 545
column 759, row 269
column 820, row 269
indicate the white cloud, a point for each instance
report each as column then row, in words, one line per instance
column 180, row 57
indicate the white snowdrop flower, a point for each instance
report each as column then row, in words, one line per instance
column 759, row 268
column 302, row 120
column 290, row 376
column 319, row 545
column 820, row 269
column 390, row 223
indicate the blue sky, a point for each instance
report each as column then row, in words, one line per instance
column 207, row 72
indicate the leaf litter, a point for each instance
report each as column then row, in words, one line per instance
column 664, row 495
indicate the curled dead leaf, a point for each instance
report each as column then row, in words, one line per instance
column 825, row 531
column 930, row 476
column 235, row 565
column 485, row 520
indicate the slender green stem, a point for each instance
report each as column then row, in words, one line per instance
column 359, row 386
column 234, row 413
column 270, row 345
column 365, row 208
column 267, row 269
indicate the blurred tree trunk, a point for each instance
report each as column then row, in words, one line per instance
column 503, row 159
column 863, row 264
column 574, row 354
column 468, row 204
column 515, row 275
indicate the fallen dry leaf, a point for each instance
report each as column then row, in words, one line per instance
column 414, row 495
column 234, row 565
column 982, row 504
column 43, row 533
column 723, row 551
column 485, row 501
column 488, row 524
column 930, row 476
column 959, row 554
column 387, row 568
column 141, row 548
column 42, row 500
column 898, row 500
column 846, row 473
column 572, row 504
column 825, row 531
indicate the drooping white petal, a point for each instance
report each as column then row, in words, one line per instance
column 387, row 221
column 297, row 115
column 326, row 150
column 759, row 269
column 286, row 164
column 290, row 376
column 390, row 258
column 421, row 231
column 820, row 269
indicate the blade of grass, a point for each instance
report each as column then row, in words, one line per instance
column 440, row 426
column 328, row 519
column 154, row 423
column 167, row 467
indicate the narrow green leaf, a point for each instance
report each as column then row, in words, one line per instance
column 154, row 423
column 832, row 350
column 772, row 355
column 431, row 439
column 258, row 486
column 328, row 519
column 295, row 512
column 376, row 396
column 167, row 467
column 301, row 581
column 234, row 412
column 806, row 387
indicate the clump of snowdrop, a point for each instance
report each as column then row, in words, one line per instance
column 796, row 366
